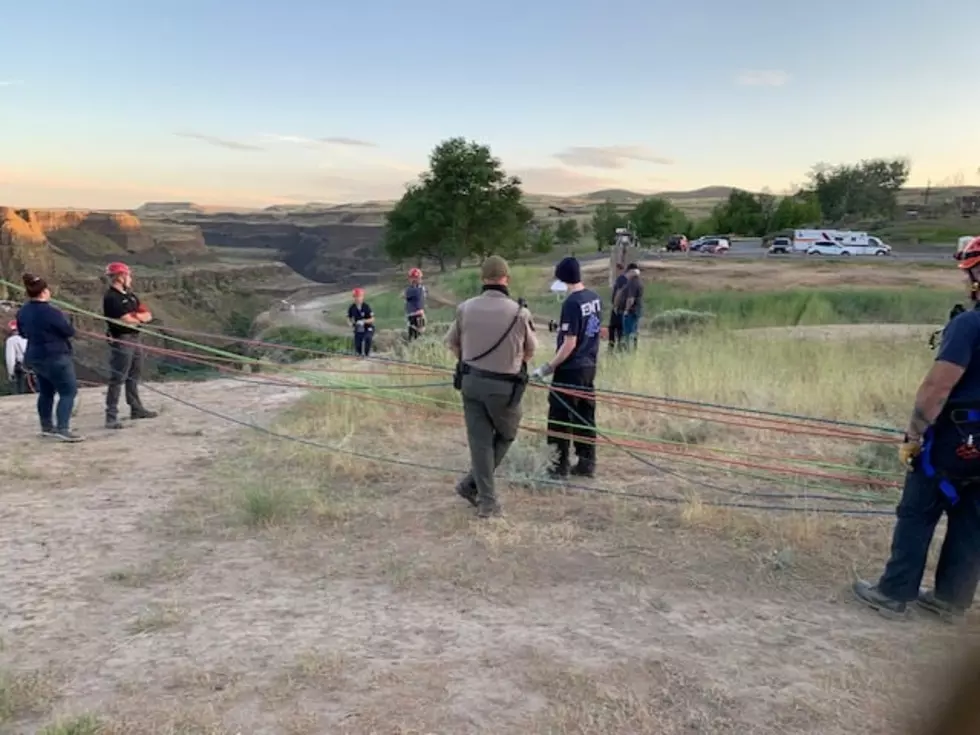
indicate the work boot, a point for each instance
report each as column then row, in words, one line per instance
column 558, row 471
column 583, row 468
column 489, row 510
column 946, row 611
column 67, row 435
column 111, row 422
column 141, row 413
column 47, row 432
column 467, row 491
column 885, row 606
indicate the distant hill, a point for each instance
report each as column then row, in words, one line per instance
column 617, row 196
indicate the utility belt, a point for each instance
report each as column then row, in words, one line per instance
column 517, row 380
column 951, row 450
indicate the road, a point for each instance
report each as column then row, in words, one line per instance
column 752, row 248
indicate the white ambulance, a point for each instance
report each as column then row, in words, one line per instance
column 839, row 242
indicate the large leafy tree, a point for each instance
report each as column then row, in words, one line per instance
column 605, row 219
column 655, row 218
column 863, row 190
column 463, row 205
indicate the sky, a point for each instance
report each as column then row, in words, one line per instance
column 112, row 103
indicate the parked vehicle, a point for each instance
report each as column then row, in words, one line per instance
column 711, row 244
column 677, row 244
column 855, row 243
column 780, row 246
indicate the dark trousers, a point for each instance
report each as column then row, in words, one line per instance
column 55, row 375
column 415, row 325
column 125, row 368
column 493, row 413
column 20, row 382
column 362, row 343
column 919, row 510
column 615, row 329
column 573, row 414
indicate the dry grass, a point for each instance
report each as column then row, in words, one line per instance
column 24, row 693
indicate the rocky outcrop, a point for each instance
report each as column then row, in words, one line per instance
column 60, row 242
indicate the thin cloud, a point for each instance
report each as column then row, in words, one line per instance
column 11, row 83
column 609, row 157
column 340, row 140
column 220, row 142
column 762, row 78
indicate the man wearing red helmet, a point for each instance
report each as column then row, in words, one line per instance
column 124, row 315
column 361, row 319
column 942, row 452
column 415, row 304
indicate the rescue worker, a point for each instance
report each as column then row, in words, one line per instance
column 361, row 319
column 49, row 355
column 574, row 368
column 415, row 304
column 632, row 306
column 120, row 304
column 14, row 351
column 615, row 316
column 493, row 339
column 941, row 452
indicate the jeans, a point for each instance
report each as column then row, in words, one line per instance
column 573, row 415
column 362, row 343
column 919, row 510
column 631, row 329
column 125, row 367
column 55, row 375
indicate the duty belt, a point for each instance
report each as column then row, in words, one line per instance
column 956, row 416
column 490, row 375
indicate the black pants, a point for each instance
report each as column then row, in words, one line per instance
column 362, row 343
column 573, row 414
column 919, row 510
column 125, row 368
column 415, row 326
column 21, row 384
column 615, row 329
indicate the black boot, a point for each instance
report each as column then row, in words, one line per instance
column 467, row 491
column 142, row 413
column 584, row 468
column 887, row 607
column 945, row 611
column 113, row 422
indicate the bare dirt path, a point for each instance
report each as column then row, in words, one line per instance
column 400, row 614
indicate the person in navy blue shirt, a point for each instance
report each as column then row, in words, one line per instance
column 941, row 449
column 361, row 319
column 415, row 304
column 616, row 316
column 574, row 368
column 49, row 355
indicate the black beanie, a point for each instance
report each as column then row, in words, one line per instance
column 568, row 271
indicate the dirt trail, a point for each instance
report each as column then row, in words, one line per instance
column 353, row 630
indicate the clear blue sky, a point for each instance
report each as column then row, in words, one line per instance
column 111, row 103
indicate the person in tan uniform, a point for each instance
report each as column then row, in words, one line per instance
column 493, row 340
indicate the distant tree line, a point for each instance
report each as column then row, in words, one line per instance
column 464, row 205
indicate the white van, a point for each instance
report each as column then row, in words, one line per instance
column 849, row 242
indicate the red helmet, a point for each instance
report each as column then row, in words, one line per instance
column 12, row 325
column 116, row 269
column 415, row 273
column 358, row 292
column 969, row 255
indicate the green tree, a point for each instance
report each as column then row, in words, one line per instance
column 655, row 218
column 543, row 239
column 741, row 214
column 463, row 205
column 863, row 190
column 567, row 232
column 795, row 211
column 605, row 220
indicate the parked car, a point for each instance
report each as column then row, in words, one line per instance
column 677, row 244
column 712, row 245
column 781, row 246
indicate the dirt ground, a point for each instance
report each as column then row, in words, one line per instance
column 129, row 592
